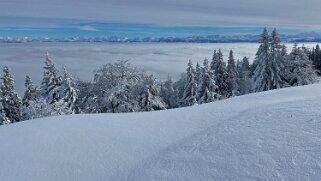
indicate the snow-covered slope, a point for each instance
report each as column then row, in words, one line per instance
column 273, row 135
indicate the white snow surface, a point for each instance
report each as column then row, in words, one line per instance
column 274, row 135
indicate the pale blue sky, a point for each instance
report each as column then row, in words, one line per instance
column 84, row 14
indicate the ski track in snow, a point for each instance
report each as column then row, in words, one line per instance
column 273, row 135
column 278, row 142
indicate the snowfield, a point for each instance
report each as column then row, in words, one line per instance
column 273, row 135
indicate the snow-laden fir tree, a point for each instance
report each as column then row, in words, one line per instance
column 268, row 62
column 244, row 80
column 301, row 68
column 218, row 67
column 232, row 77
column 30, row 95
column 190, row 89
column 168, row 93
column 69, row 92
column 278, row 60
column 11, row 101
column 3, row 117
column 198, row 70
column 214, row 60
column 315, row 56
column 207, row 89
column 151, row 101
column 179, row 87
column 51, row 82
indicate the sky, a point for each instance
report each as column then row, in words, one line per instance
column 95, row 16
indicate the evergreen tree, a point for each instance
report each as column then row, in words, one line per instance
column 179, row 87
column 30, row 94
column 268, row 64
column 317, row 58
column 190, row 90
column 301, row 68
column 11, row 102
column 218, row 67
column 207, row 89
column 3, row 117
column 70, row 92
column 198, row 73
column 244, row 84
column 214, row 60
column 168, row 93
column 51, row 82
column 232, row 77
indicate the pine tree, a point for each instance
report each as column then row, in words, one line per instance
column 51, row 82
column 190, row 89
column 169, row 94
column 244, row 84
column 268, row 64
column 11, row 102
column 30, row 94
column 301, row 68
column 198, row 73
column 317, row 58
column 232, row 77
column 207, row 89
column 70, row 92
column 278, row 61
column 3, row 117
column 214, row 60
column 218, row 67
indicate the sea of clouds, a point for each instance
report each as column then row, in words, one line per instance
column 161, row 59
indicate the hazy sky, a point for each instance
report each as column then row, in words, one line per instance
column 258, row 13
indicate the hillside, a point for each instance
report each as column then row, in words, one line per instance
column 273, row 135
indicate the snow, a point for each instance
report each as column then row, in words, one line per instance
column 274, row 135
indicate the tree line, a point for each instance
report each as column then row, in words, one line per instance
column 121, row 87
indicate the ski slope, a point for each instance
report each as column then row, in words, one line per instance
column 273, row 135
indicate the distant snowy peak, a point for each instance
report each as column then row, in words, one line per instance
column 233, row 38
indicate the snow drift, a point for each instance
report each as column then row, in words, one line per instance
column 273, row 135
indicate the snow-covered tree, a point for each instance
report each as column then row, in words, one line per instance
column 151, row 101
column 190, row 90
column 278, row 60
column 115, row 88
column 168, row 93
column 3, row 117
column 301, row 68
column 51, row 82
column 41, row 108
column 232, row 77
column 244, row 76
column 267, row 73
column 120, row 100
column 198, row 73
column 30, row 94
column 179, row 87
column 69, row 92
column 315, row 57
column 11, row 101
column 207, row 89
column 218, row 67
